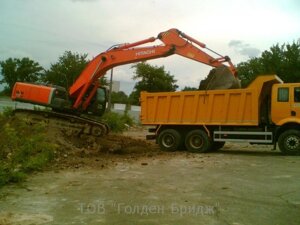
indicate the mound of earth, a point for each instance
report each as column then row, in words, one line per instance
column 82, row 150
column 76, row 152
column 220, row 78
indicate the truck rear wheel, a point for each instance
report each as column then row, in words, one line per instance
column 289, row 142
column 169, row 140
column 198, row 141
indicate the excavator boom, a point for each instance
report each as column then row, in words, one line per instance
column 173, row 42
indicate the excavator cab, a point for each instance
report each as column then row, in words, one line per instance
column 98, row 102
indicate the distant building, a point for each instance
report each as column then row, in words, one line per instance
column 116, row 86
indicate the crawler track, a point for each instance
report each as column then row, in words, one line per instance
column 71, row 125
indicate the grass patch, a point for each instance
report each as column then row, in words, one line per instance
column 24, row 148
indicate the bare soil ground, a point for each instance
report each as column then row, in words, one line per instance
column 91, row 152
column 124, row 179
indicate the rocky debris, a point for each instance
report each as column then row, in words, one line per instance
column 218, row 79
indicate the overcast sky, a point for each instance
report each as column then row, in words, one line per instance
column 44, row 29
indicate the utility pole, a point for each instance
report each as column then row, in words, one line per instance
column 110, row 90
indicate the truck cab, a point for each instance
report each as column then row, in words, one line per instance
column 285, row 106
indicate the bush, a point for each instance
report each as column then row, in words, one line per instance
column 118, row 122
column 7, row 112
column 23, row 148
column 128, row 119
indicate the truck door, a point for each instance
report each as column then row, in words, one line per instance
column 281, row 103
column 295, row 107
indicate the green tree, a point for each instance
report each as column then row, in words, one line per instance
column 23, row 70
column 186, row 88
column 65, row 71
column 151, row 79
column 119, row 97
column 282, row 60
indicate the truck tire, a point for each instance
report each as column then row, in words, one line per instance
column 198, row 141
column 289, row 142
column 217, row 146
column 169, row 140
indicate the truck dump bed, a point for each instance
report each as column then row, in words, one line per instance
column 212, row 107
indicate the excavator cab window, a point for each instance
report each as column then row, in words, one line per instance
column 98, row 104
column 102, row 95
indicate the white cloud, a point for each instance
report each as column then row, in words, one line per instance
column 244, row 48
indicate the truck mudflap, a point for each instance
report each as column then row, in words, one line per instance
column 152, row 136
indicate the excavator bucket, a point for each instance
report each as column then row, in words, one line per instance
column 220, row 78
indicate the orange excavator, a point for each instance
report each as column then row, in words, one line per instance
column 87, row 96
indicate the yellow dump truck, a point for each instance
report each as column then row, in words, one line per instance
column 266, row 112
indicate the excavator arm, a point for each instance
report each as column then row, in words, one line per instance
column 174, row 42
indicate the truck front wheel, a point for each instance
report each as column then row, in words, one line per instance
column 169, row 140
column 198, row 141
column 289, row 142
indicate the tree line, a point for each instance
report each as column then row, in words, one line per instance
column 283, row 60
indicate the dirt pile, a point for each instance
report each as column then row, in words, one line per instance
column 38, row 140
column 76, row 152
column 219, row 78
